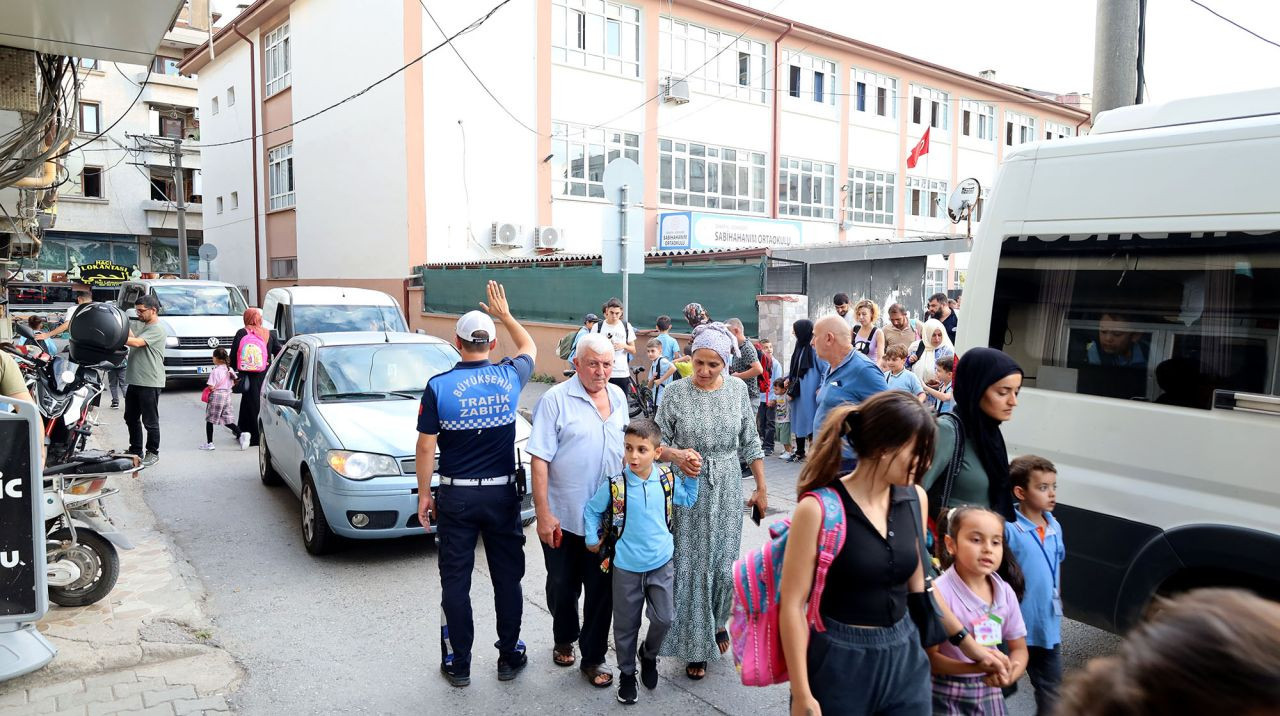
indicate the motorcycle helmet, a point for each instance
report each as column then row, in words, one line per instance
column 98, row 333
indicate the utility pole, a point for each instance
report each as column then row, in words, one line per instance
column 181, row 205
column 1115, row 54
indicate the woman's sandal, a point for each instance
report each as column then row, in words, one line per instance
column 722, row 641
column 563, row 655
column 594, row 673
column 696, row 670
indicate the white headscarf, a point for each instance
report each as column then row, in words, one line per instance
column 926, row 369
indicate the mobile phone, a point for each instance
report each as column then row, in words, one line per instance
column 756, row 514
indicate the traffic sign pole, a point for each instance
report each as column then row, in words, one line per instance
column 622, row 246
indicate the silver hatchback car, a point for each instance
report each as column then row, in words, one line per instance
column 339, row 426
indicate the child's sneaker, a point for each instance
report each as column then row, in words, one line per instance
column 649, row 673
column 627, row 691
column 207, row 446
column 244, row 441
column 785, row 456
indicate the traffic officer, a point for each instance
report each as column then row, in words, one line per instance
column 469, row 413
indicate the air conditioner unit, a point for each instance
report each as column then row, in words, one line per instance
column 505, row 234
column 548, row 237
column 676, row 90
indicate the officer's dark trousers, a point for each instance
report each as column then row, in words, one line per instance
column 572, row 569
column 464, row 514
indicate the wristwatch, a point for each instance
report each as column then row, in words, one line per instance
column 958, row 638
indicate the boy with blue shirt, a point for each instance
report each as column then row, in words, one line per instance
column 670, row 348
column 1036, row 541
column 636, row 511
column 897, row 375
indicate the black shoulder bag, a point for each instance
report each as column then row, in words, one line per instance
column 940, row 493
column 921, row 605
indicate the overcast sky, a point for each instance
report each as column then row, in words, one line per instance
column 1189, row 51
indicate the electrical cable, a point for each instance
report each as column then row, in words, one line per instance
column 1220, row 16
column 467, row 65
column 112, row 126
column 469, row 28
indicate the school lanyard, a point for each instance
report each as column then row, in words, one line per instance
column 1053, row 568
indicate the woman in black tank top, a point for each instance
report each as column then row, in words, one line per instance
column 867, row 637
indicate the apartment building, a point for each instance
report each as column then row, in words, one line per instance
column 118, row 201
column 750, row 129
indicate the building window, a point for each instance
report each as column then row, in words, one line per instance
column 580, row 154
column 91, row 182
column 1019, row 129
column 280, row 176
column 875, row 94
column 1056, row 130
column 90, row 119
column 708, row 176
column 597, row 35
column 213, row 109
column 218, row 202
column 231, row 96
column 926, row 197
column 935, row 281
column 870, row 199
column 712, row 61
column 235, row 200
column 284, row 267
column 165, row 65
column 978, row 120
column 171, row 127
column 807, row 188
column 811, row 77
column 276, row 58
column 930, row 106
column 87, row 63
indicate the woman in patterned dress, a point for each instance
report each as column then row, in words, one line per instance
column 708, row 429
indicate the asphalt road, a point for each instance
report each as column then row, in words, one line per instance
column 357, row 631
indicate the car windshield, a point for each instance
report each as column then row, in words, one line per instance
column 379, row 371
column 199, row 300
column 340, row 319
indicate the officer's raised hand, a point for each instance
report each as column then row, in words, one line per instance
column 497, row 306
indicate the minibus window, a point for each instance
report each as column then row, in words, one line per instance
column 1164, row 318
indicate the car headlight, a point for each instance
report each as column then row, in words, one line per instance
column 170, row 341
column 362, row 465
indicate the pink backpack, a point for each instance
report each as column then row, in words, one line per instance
column 253, row 354
column 753, row 627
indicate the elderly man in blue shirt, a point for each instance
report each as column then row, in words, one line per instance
column 851, row 377
column 576, row 445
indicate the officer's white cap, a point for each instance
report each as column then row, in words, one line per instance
column 476, row 326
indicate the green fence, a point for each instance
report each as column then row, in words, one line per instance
column 563, row 294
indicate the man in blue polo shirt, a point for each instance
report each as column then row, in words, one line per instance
column 469, row 413
column 851, row 378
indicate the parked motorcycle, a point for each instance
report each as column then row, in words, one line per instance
column 80, row 541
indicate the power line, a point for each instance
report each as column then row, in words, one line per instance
column 469, row 28
column 119, row 119
column 465, row 64
column 1220, row 16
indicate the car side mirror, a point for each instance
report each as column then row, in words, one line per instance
column 284, row 399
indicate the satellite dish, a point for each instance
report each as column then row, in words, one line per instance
column 963, row 199
column 208, row 252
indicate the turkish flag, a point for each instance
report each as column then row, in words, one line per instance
column 921, row 149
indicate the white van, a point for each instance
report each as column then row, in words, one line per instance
column 198, row 316
column 298, row 310
column 1134, row 274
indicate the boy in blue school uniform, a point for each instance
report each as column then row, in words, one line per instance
column 897, row 376
column 1036, row 541
column 630, row 514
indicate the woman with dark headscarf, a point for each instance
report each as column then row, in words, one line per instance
column 708, row 429
column 251, row 381
column 804, row 379
column 986, row 390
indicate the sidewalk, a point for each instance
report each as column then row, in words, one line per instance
column 147, row 648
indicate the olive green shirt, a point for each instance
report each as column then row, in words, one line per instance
column 146, row 363
column 11, row 382
column 970, row 487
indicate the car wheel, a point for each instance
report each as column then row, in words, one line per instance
column 317, row 537
column 269, row 476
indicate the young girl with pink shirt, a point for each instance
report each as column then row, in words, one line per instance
column 218, row 407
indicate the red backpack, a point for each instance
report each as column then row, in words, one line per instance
column 765, row 379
